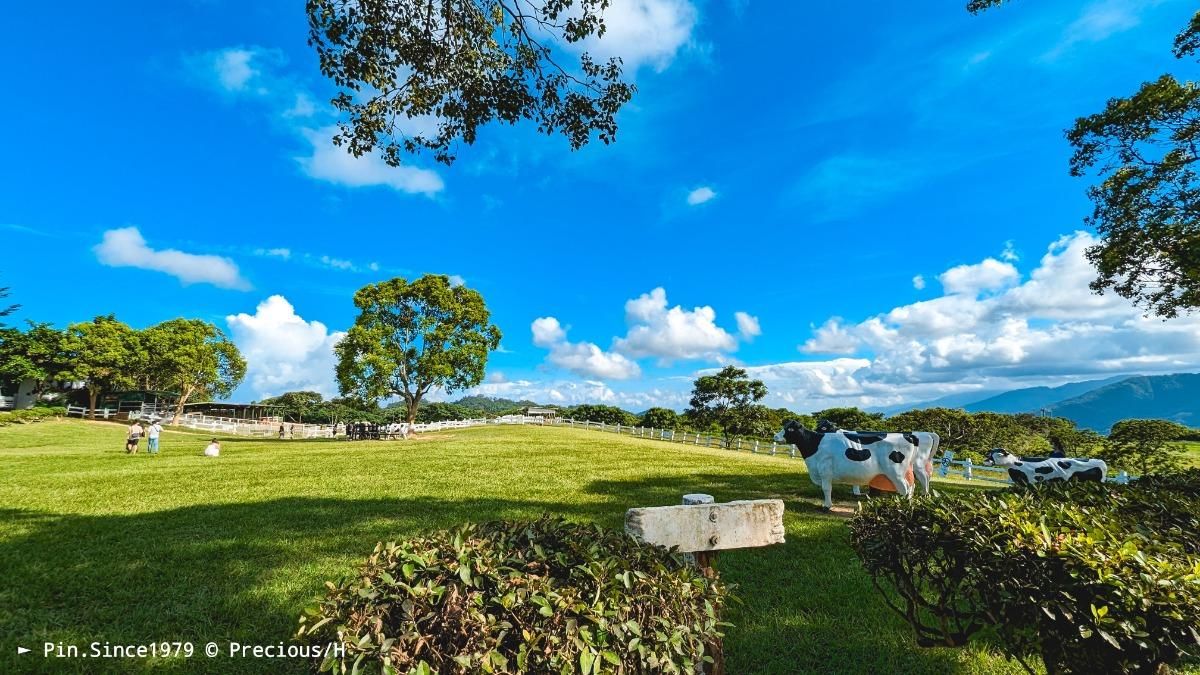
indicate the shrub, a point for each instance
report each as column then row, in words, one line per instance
column 30, row 415
column 541, row 596
column 1090, row 577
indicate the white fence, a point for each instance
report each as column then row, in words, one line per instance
column 946, row 464
column 8, row 402
column 756, row 446
column 82, row 411
column 239, row 427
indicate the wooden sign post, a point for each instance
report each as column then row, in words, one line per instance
column 702, row 528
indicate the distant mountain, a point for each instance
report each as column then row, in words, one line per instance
column 949, row 401
column 1172, row 397
column 1033, row 399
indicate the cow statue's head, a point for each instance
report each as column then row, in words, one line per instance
column 826, row 427
column 790, row 427
column 999, row 457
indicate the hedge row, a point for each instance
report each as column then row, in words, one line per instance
column 1089, row 577
column 547, row 596
column 30, row 415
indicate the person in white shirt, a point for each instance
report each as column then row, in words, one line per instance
column 152, row 435
column 131, row 440
column 213, row 449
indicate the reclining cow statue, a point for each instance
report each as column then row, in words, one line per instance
column 863, row 457
column 1033, row 470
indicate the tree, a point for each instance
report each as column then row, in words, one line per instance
column 411, row 337
column 37, row 354
column 194, row 359
column 296, row 405
column 659, row 418
column 607, row 414
column 103, row 353
column 1146, row 207
column 1145, row 446
column 850, row 418
column 441, row 412
column 727, row 400
column 403, row 66
column 6, row 310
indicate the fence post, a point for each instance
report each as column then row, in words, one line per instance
column 967, row 468
column 755, row 448
column 792, row 452
column 739, row 447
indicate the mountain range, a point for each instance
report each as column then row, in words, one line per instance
column 1092, row 404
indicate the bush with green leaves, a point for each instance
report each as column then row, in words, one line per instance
column 1089, row 577
column 543, row 596
column 29, row 415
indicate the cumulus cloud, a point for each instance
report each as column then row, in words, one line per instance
column 571, row 392
column 125, row 247
column 990, row 329
column 748, row 327
column 644, row 32
column 283, row 351
column 700, row 195
column 582, row 358
column 240, row 71
column 918, row 282
column 831, row 338
column 672, row 334
column 332, row 164
column 989, row 275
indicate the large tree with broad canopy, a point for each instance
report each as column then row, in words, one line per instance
column 410, row 337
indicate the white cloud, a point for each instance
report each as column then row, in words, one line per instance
column 672, row 334
column 1098, row 22
column 831, row 338
column 918, row 282
column 700, row 195
column 748, row 327
column 125, row 247
column 989, row 275
column 571, row 392
column 285, row 253
column 988, row 329
column 582, row 358
column 332, row 164
column 1009, row 254
column 336, row 263
column 242, row 71
column 284, row 352
column 644, row 32
column 456, row 280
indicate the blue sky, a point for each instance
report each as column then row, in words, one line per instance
column 862, row 204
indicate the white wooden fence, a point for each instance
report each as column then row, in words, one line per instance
column 8, row 402
column 946, row 463
column 82, row 411
column 758, row 446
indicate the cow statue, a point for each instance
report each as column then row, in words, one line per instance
column 858, row 458
column 1033, row 470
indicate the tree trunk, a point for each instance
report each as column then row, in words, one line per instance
column 412, row 405
column 187, row 392
column 92, row 394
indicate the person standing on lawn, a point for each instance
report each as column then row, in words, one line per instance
column 152, row 435
column 131, row 440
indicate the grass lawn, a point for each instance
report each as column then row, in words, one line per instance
column 1193, row 453
column 97, row 545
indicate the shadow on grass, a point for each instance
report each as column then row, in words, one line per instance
column 243, row 572
column 807, row 606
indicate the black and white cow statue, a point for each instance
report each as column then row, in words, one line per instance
column 1032, row 470
column 860, row 458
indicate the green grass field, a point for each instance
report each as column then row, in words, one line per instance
column 97, row 545
column 1193, row 453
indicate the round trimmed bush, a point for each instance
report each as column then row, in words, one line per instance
column 544, row 596
column 1090, row 577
